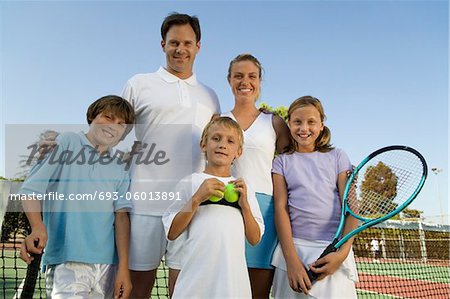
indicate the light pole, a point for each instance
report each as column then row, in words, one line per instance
column 436, row 171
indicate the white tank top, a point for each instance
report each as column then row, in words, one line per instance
column 255, row 164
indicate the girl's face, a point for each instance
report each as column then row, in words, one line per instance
column 244, row 81
column 305, row 125
column 222, row 146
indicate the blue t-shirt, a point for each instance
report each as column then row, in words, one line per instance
column 79, row 230
column 313, row 197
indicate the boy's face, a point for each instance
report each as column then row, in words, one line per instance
column 222, row 146
column 106, row 130
column 181, row 47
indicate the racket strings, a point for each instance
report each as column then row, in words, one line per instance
column 384, row 183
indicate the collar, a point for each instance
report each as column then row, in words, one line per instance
column 86, row 143
column 170, row 78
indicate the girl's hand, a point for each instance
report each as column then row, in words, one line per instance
column 297, row 276
column 241, row 188
column 208, row 188
column 328, row 264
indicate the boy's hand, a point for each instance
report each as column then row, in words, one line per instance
column 28, row 244
column 297, row 276
column 208, row 188
column 328, row 264
column 122, row 285
column 241, row 188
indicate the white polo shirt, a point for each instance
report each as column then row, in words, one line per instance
column 170, row 116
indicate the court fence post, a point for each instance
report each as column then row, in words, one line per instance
column 423, row 246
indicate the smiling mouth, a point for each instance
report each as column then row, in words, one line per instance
column 304, row 135
column 108, row 134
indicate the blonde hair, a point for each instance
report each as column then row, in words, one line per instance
column 226, row 122
column 245, row 57
column 322, row 143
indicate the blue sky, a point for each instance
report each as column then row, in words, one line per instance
column 379, row 67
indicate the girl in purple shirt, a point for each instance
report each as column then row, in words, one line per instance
column 309, row 183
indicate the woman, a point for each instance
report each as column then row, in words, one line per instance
column 264, row 135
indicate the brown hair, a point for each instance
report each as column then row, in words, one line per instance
column 118, row 106
column 323, row 140
column 180, row 19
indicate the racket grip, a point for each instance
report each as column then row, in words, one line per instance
column 330, row 248
column 31, row 275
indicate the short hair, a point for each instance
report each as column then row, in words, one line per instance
column 118, row 106
column 175, row 18
column 322, row 143
column 245, row 57
column 226, row 122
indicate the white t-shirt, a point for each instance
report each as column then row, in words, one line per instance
column 170, row 116
column 213, row 261
column 255, row 164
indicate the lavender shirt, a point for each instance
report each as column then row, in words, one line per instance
column 313, row 197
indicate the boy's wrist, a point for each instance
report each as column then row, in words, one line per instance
column 246, row 209
column 122, row 266
column 38, row 226
column 196, row 201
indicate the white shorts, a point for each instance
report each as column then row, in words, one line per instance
column 148, row 244
column 341, row 284
column 80, row 280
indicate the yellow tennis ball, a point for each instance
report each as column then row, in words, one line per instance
column 230, row 193
column 214, row 198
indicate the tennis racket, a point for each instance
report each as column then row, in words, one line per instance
column 32, row 275
column 380, row 187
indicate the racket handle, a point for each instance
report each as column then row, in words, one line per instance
column 31, row 276
column 330, row 248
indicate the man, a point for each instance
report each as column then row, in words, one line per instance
column 172, row 108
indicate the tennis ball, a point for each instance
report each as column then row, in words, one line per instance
column 214, row 198
column 230, row 193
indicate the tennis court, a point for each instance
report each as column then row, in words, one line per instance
column 413, row 263
column 400, row 280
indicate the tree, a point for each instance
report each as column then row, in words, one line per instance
column 28, row 161
column 281, row 111
column 411, row 214
column 378, row 190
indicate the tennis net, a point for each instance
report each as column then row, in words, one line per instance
column 394, row 259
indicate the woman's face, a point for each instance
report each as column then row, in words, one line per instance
column 245, row 81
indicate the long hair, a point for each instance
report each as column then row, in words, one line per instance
column 322, row 143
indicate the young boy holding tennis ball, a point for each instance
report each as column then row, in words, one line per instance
column 86, row 241
column 309, row 183
column 213, row 261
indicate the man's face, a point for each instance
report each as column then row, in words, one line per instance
column 181, row 47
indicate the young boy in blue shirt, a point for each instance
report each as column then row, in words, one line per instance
column 87, row 230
